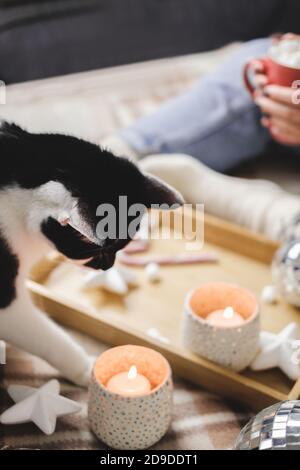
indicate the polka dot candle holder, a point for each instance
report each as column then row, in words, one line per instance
column 233, row 347
column 130, row 422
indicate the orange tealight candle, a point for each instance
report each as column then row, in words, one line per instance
column 226, row 318
column 130, row 384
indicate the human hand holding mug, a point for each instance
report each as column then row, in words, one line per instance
column 275, row 88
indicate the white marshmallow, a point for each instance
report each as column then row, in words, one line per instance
column 295, row 60
column 155, row 334
column 286, row 52
column 152, row 272
column 269, row 295
column 289, row 45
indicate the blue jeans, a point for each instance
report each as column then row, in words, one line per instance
column 216, row 121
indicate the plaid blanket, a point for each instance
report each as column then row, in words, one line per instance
column 200, row 419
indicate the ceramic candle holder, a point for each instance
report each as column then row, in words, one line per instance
column 124, row 422
column 232, row 347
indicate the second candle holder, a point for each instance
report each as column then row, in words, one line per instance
column 130, row 422
column 232, row 345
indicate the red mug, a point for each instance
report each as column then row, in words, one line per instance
column 276, row 73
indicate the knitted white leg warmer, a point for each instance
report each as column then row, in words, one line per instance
column 259, row 205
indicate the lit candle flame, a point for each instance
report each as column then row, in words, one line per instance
column 132, row 373
column 228, row 312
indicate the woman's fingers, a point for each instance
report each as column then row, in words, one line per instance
column 257, row 66
column 260, row 80
column 256, row 74
column 285, row 139
column 265, row 121
column 282, row 131
column 282, row 126
column 279, row 110
column 281, row 94
column 278, row 104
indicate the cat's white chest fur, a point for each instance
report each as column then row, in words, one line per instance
column 21, row 214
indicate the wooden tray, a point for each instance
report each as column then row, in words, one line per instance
column 244, row 258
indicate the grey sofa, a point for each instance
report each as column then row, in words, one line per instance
column 41, row 38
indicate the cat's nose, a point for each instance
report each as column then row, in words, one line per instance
column 104, row 261
column 108, row 260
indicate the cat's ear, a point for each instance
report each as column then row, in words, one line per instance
column 159, row 192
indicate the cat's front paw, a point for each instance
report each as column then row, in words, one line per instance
column 83, row 379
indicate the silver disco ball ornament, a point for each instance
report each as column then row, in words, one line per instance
column 274, row 428
column 286, row 271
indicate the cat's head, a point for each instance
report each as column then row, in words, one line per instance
column 74, row 185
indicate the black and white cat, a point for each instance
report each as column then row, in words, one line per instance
column 46, row 181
